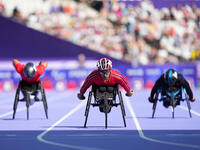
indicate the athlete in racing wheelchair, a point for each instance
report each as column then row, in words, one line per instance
column 105, row 98
column 30, row 85
column 104, row 81
column 169, row 89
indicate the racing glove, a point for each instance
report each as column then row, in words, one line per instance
column 192, row 99
column 80, row 96
column 129, row 93
column 151, row 100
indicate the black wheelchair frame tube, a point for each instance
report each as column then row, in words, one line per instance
column 87, row 108
column 16, row 101
column 27, row 98
column 173, row 106
column 88, row 102
column 106, row 107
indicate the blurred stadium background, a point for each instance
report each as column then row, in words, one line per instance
column 143, row 38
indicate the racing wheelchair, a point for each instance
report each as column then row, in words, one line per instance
column 105, row 99
column 27, row 97
column 172, row 97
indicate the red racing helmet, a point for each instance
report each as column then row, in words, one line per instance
column 104, row 64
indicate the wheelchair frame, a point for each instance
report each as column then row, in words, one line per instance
column 106, row 106
column 173, row 101
column 27, row 99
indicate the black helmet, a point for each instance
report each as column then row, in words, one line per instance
column 29, row 70
column 170, row 76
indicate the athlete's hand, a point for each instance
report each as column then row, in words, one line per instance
column 15, row 61
column 81, row 96
column 192, row 99
column 151, row 100
column 43, row 63
column 129, row 93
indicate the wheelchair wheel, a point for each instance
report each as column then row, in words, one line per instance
column 122, row 107
column 154, row 108
column 189, row 107
column 87, row 108
column 44, row 102
column 16, row 101
column 155, row 104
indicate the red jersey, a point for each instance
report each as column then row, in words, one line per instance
column 40, row 70
column 95, row 78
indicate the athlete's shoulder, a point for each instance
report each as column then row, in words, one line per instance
column 94, row 71
column 115, row 72
column 180, row 75
column 19, row 67
column 116, row 75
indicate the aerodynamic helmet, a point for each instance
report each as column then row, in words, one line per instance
column 170, row 76
column 29, row 70
column 104, row 64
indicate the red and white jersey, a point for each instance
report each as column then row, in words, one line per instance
column 40, row 70
column 95, row 78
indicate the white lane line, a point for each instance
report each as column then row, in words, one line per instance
column 41, row 139
column 141, row 134
column 192, row 111
column 62, row 119
column 35, row 105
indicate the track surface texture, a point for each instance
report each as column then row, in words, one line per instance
column 64, row 128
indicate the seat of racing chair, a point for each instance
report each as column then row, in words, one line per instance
column 167, row 94
column 104, row 92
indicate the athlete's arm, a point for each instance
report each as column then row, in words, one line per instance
column 18, row 66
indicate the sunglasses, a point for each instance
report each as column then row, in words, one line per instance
column 104, row 72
